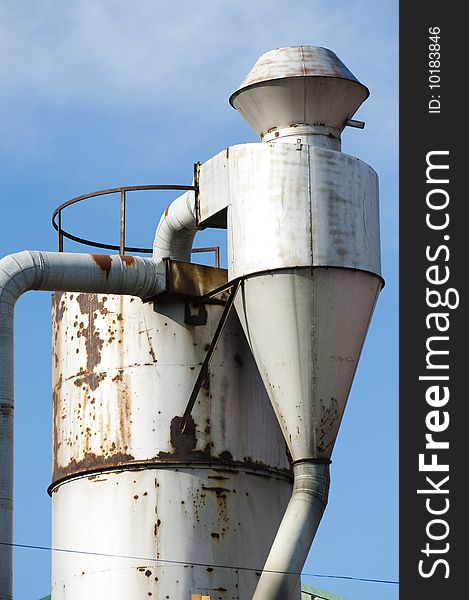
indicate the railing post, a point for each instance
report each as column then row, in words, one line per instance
column 122, row 225
column 59, row 231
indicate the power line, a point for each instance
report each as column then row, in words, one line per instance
column 195, row 564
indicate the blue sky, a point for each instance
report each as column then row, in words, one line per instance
column 101, row 93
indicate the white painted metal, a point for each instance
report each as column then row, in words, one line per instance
column 306, row 328
column 176, row 229
column 298, row 85
column 290, row 207
column 296, row 533
column 316, row 211
column 123, row 373
column 313, row 135
column 123, row 370
column 151, row 526
column 303, row 235
column 294, row 208
column 214, row 184
column 31, row 270
column 296, row 61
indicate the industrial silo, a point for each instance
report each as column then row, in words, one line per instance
column 195, row 409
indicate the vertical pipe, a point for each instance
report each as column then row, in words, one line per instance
column 288, row 554
column 52, row 271
column 6, row 460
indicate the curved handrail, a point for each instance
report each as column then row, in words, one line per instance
column 122, row 248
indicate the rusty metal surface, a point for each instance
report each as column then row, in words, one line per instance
column 297, row 61
column 122, row 248
column 208, row 357
column 214, row 249
column 298, row 85
column 32, row 270
column 188, row 280
column 212, row 517
column 213, row 494
column 122, row 374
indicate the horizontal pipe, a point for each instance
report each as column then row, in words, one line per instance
column 176, row 230
column 281, row 573
column 51, row 271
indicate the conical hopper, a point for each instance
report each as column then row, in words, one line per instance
column 306, row 328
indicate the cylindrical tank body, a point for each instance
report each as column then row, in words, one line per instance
column 303, row 234
column 145, row 510
column 312, row 269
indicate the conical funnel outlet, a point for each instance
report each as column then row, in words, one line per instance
column 306, row 328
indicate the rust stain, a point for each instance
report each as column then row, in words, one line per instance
column 90, row 379
column 151, row 350
column 90, row 305
column 206, row 383
column 58, row 306
column 128, row 261
column 96, row 441
column 222, row 508
column 119, row 376
column 184, row 443
column 104, row 262
column 167, row 210
column 156, row 526
column 90, row 462
column 6, row 409
column 56, row 434
column 330, row 415
column 239, row 360
column 219, row 491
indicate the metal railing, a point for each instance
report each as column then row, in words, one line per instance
column 121, row 248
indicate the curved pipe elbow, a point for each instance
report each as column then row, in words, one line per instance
column 176, row 230
column 52, row 271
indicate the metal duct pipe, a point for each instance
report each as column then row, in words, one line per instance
column 286, row 559
column 50, row 271
column 176, row 230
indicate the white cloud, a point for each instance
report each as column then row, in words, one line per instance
column 105, row 52
column 177, row 61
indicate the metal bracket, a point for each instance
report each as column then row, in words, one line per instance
column 204, row 368
column 196, row 191
column 195, row 314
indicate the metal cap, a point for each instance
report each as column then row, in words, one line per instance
column 298, row 85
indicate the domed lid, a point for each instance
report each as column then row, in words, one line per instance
column 298, row 85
